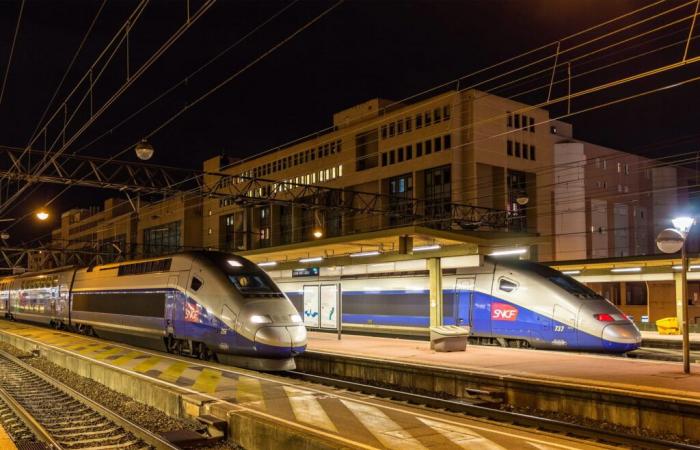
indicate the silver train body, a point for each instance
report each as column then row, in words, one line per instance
column 202, row 304
column 505, row 302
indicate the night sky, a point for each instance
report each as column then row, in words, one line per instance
column 361, row 50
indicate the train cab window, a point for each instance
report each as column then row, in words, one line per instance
column 507, row 285
column 195, row 284
column 252, row 283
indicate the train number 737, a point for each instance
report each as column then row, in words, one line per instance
column 558, row 328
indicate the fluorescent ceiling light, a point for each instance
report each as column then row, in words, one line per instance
column 423, row 248
column 309, row 260
column 626, row 269
column 689, row 267
column 267, row 264
column 571, row 272
column 361, row 254
column 234, row 263
column 515, row 251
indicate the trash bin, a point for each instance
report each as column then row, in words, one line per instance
column 449, row 338
column 668, row 325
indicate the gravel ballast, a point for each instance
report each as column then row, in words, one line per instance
column 143, row 415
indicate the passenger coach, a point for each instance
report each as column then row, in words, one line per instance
column 201, row 304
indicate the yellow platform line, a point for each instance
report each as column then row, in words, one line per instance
column 146, row 364
column 108, row 353
column 5, row 441
column 308, row 409
column 248, row 390
column 125, row 358
column 382, row 427
column 207, row 381
column 461, row 436
column 173, row 372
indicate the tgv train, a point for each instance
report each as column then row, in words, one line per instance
column 201, row 304
column 506, row 302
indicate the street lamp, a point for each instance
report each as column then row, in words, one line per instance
column 683, row 225
column 670, row 241
column 42, row 215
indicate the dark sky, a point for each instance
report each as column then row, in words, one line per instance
column 362, row 49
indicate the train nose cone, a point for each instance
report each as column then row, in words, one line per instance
column 621, row 337
column 281, row 340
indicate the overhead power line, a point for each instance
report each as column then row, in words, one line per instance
column 12, row 51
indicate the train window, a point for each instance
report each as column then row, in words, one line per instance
column 572, row 286
column 195, row 284
column 507, row 285
column 250, row 283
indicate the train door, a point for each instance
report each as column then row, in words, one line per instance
column 464, row 300
column 171, row 302
column 563, row 327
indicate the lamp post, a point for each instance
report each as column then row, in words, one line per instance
column 683, row 225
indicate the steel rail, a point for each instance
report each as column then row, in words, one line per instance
column 39, row 431
column 146, row 436
column 525, row 420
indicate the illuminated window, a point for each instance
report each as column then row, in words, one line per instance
column 340, row 170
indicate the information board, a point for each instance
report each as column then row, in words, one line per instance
column 312, row 303
column 329, row 306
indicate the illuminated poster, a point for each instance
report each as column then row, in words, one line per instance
column 312, row 315
column 329, row 306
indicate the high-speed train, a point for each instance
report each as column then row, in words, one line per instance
column 505, row 302
column 203, row 304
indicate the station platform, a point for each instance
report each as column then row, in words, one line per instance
column 268, row 411
column 659, row 378
column 655, row 335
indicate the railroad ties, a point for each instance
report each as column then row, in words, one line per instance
column 33, row 405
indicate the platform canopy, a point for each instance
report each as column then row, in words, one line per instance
column 418, row 242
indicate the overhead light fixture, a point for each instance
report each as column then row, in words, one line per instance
column 361, row 254
column 515, row 251
column 310, row 260
column 42, row 215
column 267, row 264
column 689, row 267
column 571, row 272
column 626, row 269
column 318, row 233
column 234, row 263
column 423, row 248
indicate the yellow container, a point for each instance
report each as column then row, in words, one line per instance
column 668, row 325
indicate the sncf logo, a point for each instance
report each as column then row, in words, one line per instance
column 502, row 311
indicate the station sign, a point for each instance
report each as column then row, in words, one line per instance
column 305, row 272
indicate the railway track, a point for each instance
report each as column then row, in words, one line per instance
column 492, row 412
column 61, row 418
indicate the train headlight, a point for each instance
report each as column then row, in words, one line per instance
column 296, row 318
column 260, row 319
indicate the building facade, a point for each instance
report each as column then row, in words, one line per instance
column 458, row 148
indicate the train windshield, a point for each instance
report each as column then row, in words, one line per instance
column 253, row 283
column 572, row 286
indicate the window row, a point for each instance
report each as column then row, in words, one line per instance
column 320, row 176
column 519, row 121
column 518, row 150
column 407, row 124
column 322, row 151
column 620, row 166
column 421, row 148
